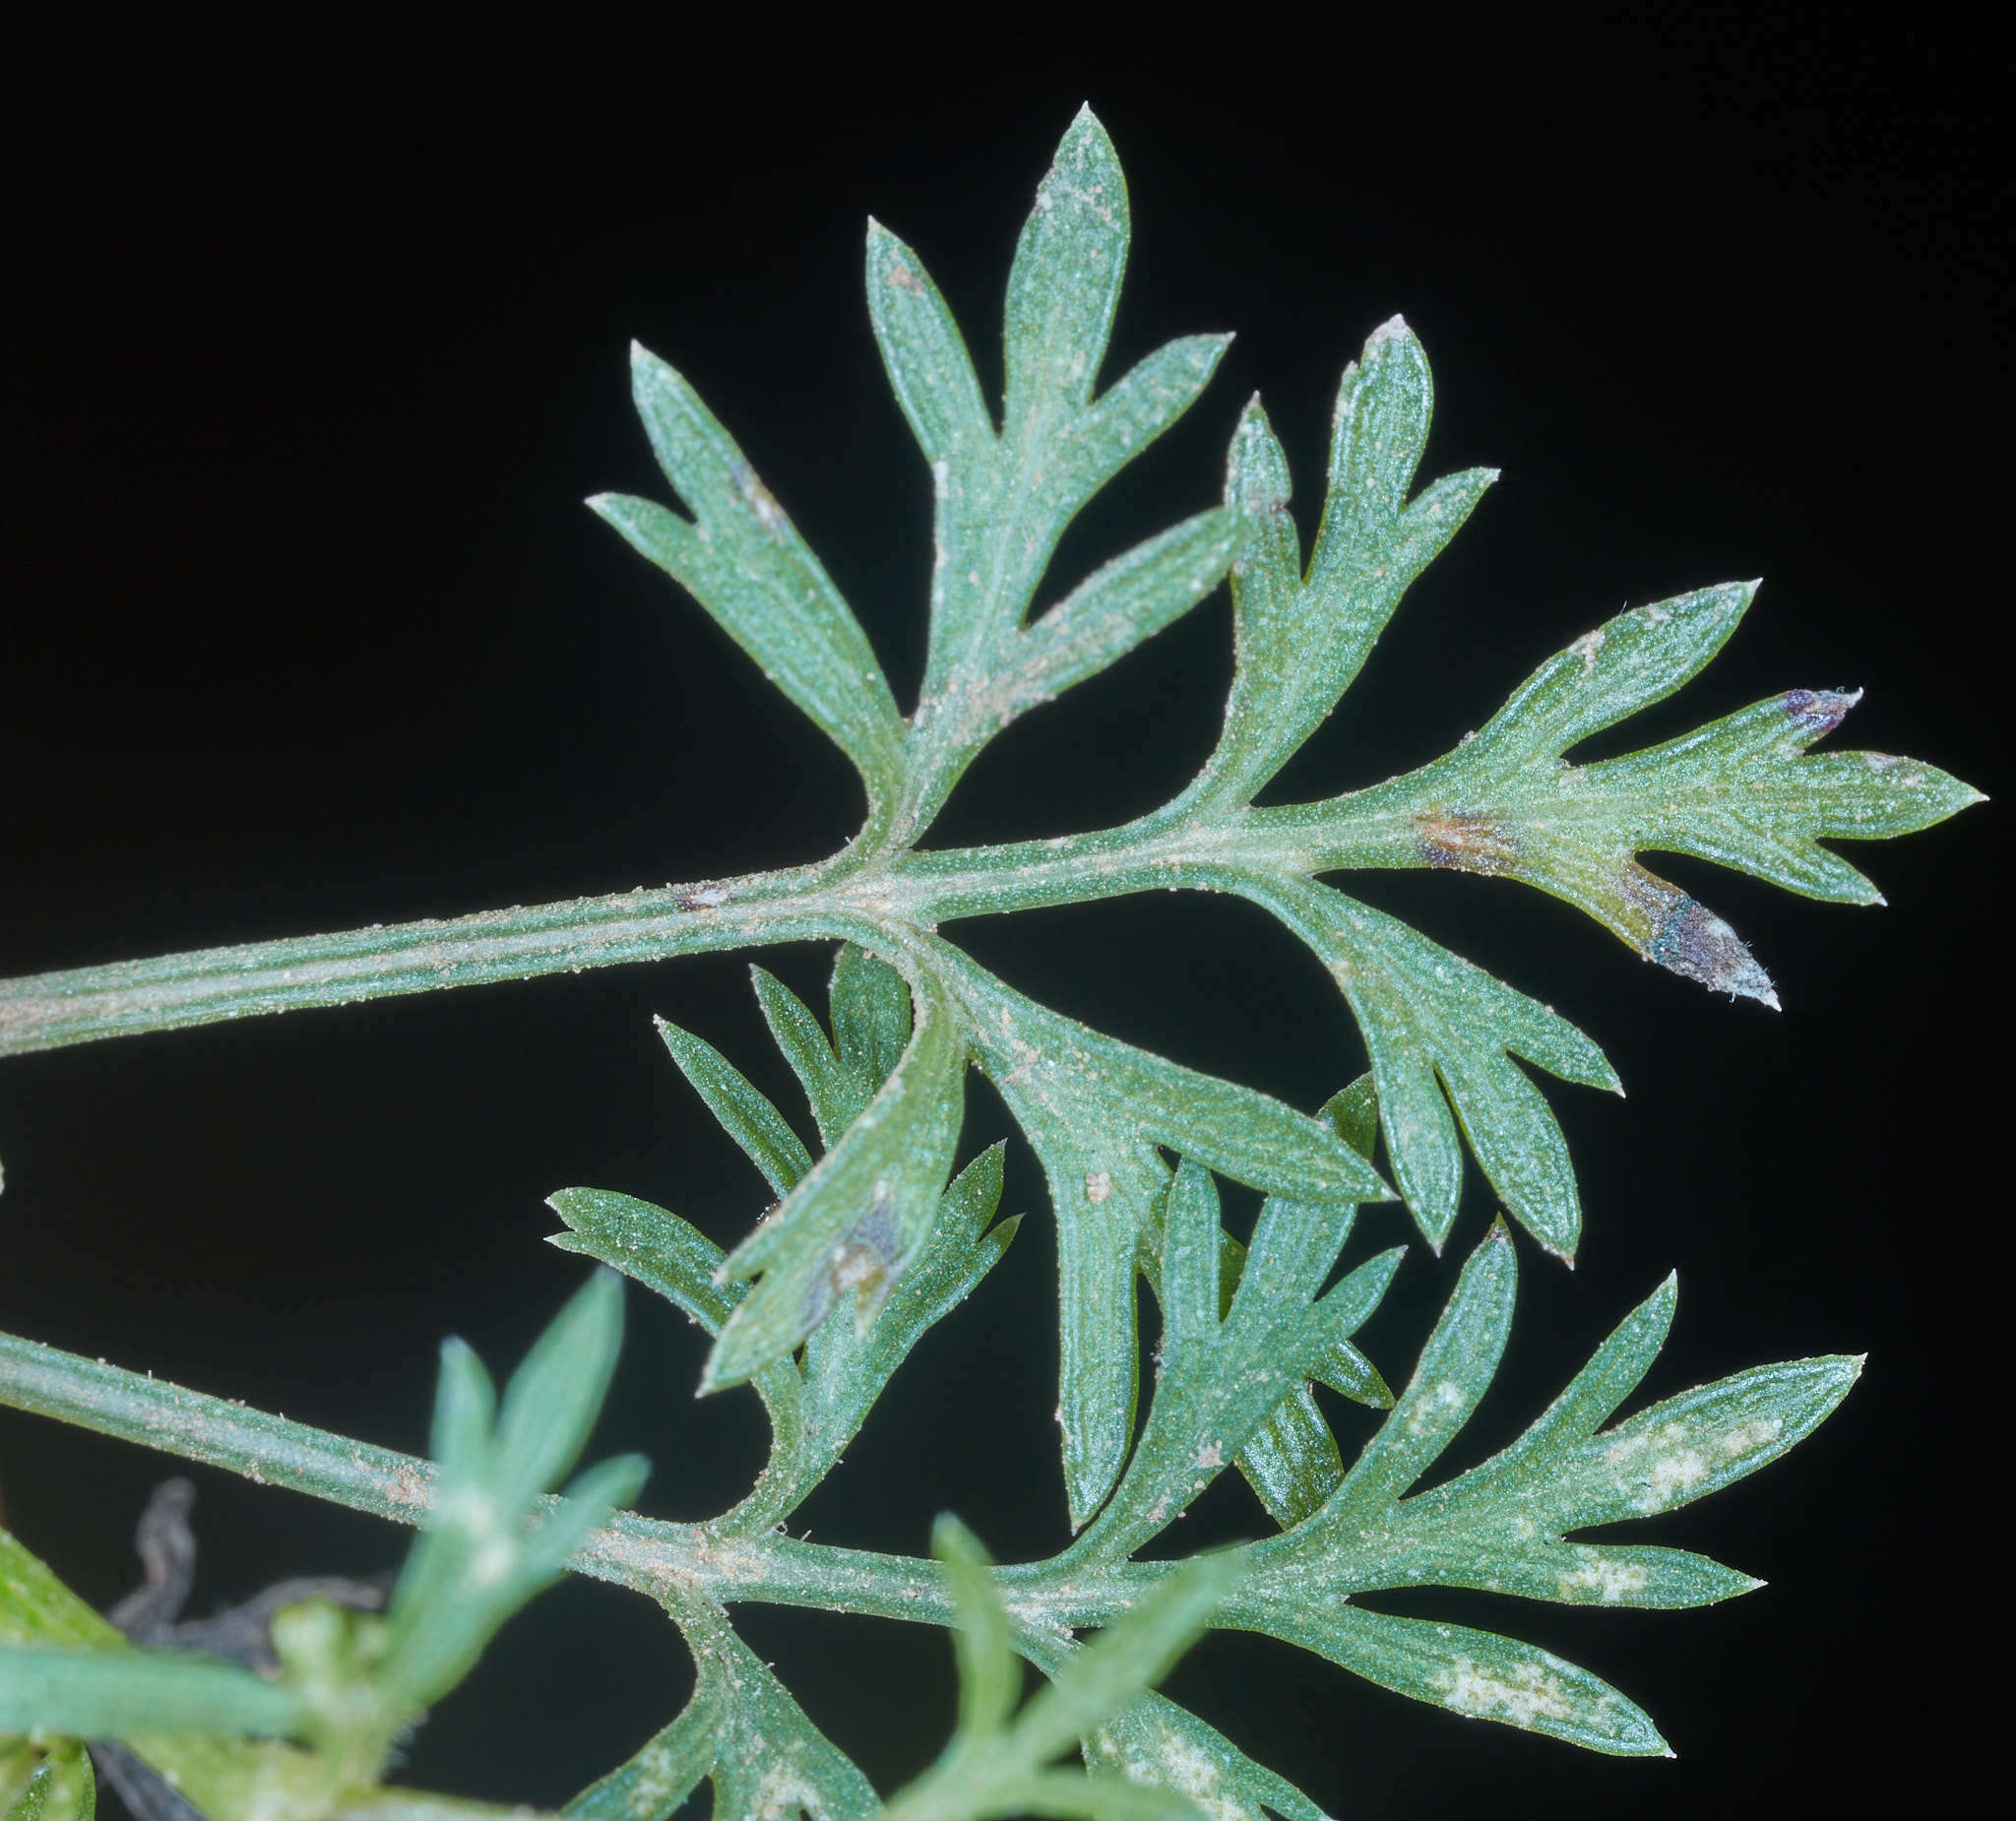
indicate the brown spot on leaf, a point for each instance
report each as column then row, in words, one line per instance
column 1452, row 838
column 902, row 278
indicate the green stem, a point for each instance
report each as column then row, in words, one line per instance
column 842, row 899
column 646, row 1554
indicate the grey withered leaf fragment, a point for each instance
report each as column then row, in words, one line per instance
column 1503, row 1526
column 1441, row 1034
column 1096, row 1110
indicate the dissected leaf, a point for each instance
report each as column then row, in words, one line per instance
column 742, row 559
column 1302, row 639
column 995, row 1764
column 745, row 1113
column 816, row 1408
column 1004, row 497
column 1478, row 1676
column 1167, row 1747
column 476, row 1561
column 1741, row 790
column 831, row 1090
column 652, row 1783
column 1441, row 1034
column 1096, row 1109
column 768, row 1760
column 1223, row 1376
column 857, row 1222
column 990, row 1672
column 1503, row 1526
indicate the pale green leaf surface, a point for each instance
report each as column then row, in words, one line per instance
column 990, row 1671
column 1291, row 1461
column 1003, row 499
column 856, row 1223
column 1501, row 1526
column 1221, row 1379
column 742, row 559
column 744, row 1111
column 1167, row 1747
column 125, row 1693
column 650, row 1784
column 830, row 1088
column 1123, row 603
column 924, row 354
column 1301, row 642
column 1441, row 1034
column 770, row 1760
column 1095, row 1109
column 871, row 1016
column 1741, row 792
column 1478, row 1676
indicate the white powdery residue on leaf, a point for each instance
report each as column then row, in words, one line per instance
column 1754, row 1435
column 1607, row 1578
column 1525, row 1693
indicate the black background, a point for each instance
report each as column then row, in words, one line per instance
column 305, row 628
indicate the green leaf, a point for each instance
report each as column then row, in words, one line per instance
column 651, row 1784
column 1066, row 277
column 831, row 1089
column 847, row 1366
column 1302, row 641
column 1480, row 1675
column 1436, row 1026
column 817, row 1409
column 1455, row 1370
column 1741, row 792
column 1503, row 1526
column 924, row 354
column 1167, row 1747
column 465, row 1411
column 1095, row 1109
column 118, row 1693
column 745, row 1113
column 1004, row 498
column 770, row 1761
column 651, row 1244
column 1127, row 1657
column 35, row 1607
column 994, row 1767
column 61, row 1787
column 741, row 559
column 858, row 1222
column 476, row 1561
column 1291, row 1461
column 990, row 1673
column 871, row 1017
column 1122, row 604
column 1221, row 1380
